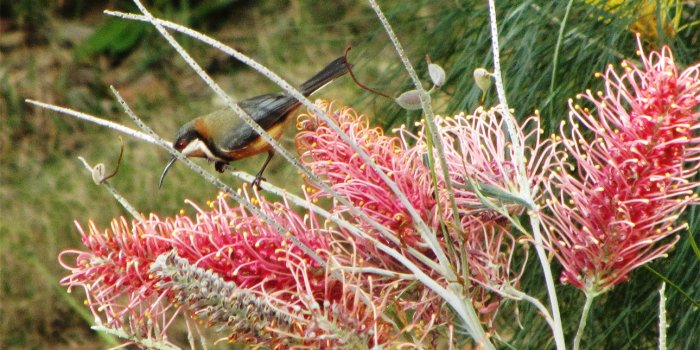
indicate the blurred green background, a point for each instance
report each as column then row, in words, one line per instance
column 67, row 52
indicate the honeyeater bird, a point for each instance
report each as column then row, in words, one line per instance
column 223, row 137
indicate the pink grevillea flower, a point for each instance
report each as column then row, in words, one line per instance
column 482, row 167
column 491, row 248
column 479, row 157
column 335, row 162
column 230, row 242
column 630, row 180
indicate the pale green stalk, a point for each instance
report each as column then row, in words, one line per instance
column 663, row 323
column 584, row 318
column 99, row 121
column 433, row 136
column 514, row 294
column 464, row 308
column 123, row 201
column 525, row 190
column 584, row 37
column 555, row 60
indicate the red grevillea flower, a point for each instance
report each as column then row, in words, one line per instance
column 230, row 242
column 335, row 162
column 632, row 178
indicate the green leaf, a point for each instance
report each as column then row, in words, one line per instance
column 115, row 36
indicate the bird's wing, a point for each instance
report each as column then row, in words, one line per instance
column 266, row 110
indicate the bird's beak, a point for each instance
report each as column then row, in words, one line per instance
column 165, row 171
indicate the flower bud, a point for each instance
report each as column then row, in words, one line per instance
column 437, row 74
column 482, row 77
column 409, row 100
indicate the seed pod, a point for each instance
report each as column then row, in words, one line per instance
column 98, row 174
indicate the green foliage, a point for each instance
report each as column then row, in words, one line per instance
column 457, row 36
column 114, row 37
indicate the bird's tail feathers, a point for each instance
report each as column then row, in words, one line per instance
column 333, row 70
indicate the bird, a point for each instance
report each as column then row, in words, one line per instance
column 223, row 137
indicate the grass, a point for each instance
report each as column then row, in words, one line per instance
column 44, row 188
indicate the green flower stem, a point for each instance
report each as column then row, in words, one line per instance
column 584, row 318
column 526, row 192
column 434, row 140
column 663, row 323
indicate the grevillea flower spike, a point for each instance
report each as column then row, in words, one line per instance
column 614, row 205
column 629, row 182
column 228, row 268
column 335, row 161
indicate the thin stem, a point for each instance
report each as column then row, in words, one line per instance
column 584, row 318
column 587, row 40
column 464, row 308
column 524, row 184
column 119, row 162
column 124, row 203
column 434, row 139
column 509, row 292
column 663, row 324
column 558, row 329
column 357, row 82
column 673, row 285
column 514, row 293
column 377, row 271
column 99, row 121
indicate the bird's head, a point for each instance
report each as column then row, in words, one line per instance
column 189, row 141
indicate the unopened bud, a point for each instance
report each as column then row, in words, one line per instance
column 482, row 77
column 409, row 100
column 437, row 74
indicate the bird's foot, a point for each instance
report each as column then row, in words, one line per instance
column 220, row 166
column 256, row 181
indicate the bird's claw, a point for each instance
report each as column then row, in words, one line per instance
column 256, row 182
column 220, row 166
